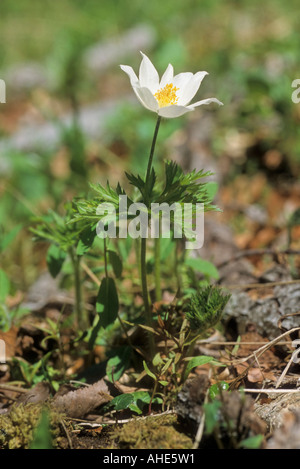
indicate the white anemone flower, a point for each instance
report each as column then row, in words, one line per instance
column 169, row 96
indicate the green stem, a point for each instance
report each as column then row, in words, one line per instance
column 105, row 258
column 78, row 293
column 144, row 244
column 177, row 267
column 146, row 295
column 149, row 167
column 157, row 265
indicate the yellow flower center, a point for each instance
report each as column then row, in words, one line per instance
column 167, row 95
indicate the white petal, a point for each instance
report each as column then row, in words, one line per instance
column 148, row 74
column 130, row 72
column 204, row 101
column 146, row 97
column 191, row 88
column 173, row 111
column 167, row 76
column 181, row 80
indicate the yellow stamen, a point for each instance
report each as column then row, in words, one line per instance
column 167, row 95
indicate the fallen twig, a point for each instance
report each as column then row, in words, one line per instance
column 10, row 387
column 271, row 391
column 259, row 252
column 250, row 286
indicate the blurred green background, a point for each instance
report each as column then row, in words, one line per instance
column 250, row 49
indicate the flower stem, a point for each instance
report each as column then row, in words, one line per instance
column 149, row 167
column 144, row 245
column 78, row 293
column 157, row 265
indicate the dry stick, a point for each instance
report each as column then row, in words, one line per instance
column 67, row 433
column 9, row 387
column 271, row 391
column 259, row 252
column 220, row 342
column 258, row 353
column 265, row 347
column 262, row 285
column 90, row 273
column 286, row 369
column 200, row 430
column 293, row 354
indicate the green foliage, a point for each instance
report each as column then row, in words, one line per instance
column 57, row 229
column 116, row 263
column 199, row 360
column 294, row 220
column 217, row 388
column 107, row 304
column 253, row 442
column 204, row 309
column 212, row 415
column 203, row 266
column 55, row 259
column 183, row 187
column 8, row 238
column 118, row 363
column 107, row 307
column 4, row 286
column 134, row 401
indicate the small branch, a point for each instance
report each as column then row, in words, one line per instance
column 259, row 252
column 200, row 430
column 67, row 433
column 271, row 391
column 9, row 387
column 250, row 286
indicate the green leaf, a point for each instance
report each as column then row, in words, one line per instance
column 42, row 438
column 4, row 286
column 107, row 303
column 205, row 308
column 55, row 259
column 134, row 401
column 197, row 361
column 149, row 373
column 211, row 189
column 163, row 383
column 157, row 360
column 253, row 442
column 116, row 263
column 117, row 365
column 216, row 389
column 85, row 242
column 211, row 411
column 122, row 402
column 9, row 237
column 203, row 266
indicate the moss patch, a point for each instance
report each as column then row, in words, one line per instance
column 17, row 427
column 157, row 432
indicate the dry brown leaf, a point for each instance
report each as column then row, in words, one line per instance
column 10, row 339
column 39, row 393
column 77, row 404
column 255, row 375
